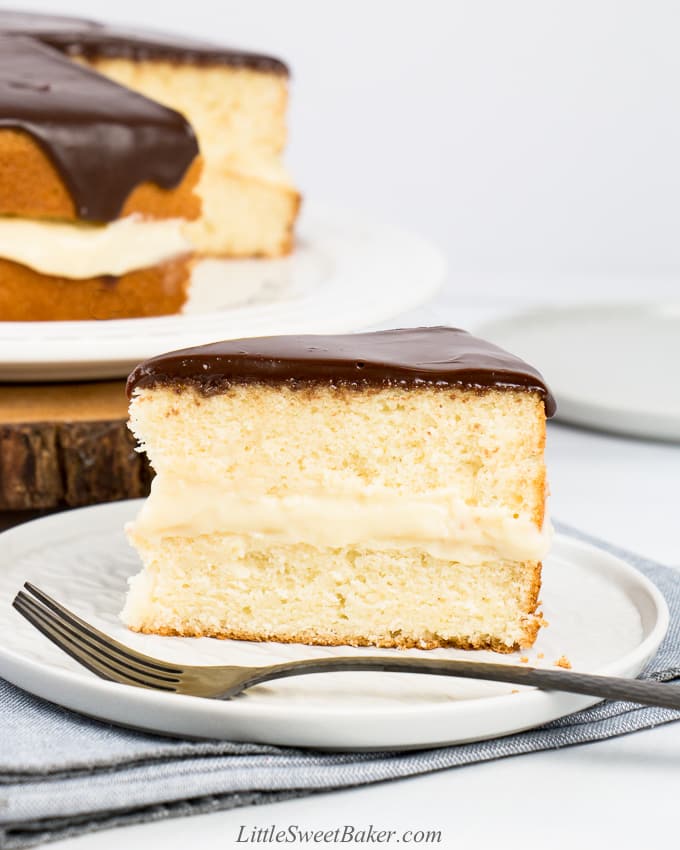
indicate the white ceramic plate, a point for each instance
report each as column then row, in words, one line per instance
column 612, row 367
column 347, row 272
column 603, row 614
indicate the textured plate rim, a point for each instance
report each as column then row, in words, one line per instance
column 536, row 707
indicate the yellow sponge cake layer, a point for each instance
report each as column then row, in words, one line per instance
column 235, row 112
column 29, row 296
column 234, row 586
column 31, row 187
column 293, row 503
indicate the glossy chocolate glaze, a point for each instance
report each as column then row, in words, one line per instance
column 91, row 39
column 437, row 356
column 103, row 139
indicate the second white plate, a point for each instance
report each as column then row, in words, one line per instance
column 347, row 272
column 612, row 366
column 603, row 614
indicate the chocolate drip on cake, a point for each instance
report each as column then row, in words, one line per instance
column 439, row 356
column 79, row 37
column 103, row 139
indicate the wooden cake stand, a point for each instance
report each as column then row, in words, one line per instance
column 66, row 445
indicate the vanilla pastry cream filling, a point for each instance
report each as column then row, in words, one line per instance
column 440, row 524
column 79, row 251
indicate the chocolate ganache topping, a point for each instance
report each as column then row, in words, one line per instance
column 80, row 37
column 437, row 356
column 103, row 138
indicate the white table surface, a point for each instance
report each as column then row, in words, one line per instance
column 620, row 489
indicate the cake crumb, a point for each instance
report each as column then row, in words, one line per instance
column 524, row 659
column 540, row 655
column 563, row 661
column 514, row 691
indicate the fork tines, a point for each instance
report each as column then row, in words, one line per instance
column 90, row 647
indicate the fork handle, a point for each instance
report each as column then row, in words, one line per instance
column 606, row 687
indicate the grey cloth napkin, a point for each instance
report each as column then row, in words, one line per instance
column 62, row 774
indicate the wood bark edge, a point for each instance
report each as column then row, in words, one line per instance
column 69, row 464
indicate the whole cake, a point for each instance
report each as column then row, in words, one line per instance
column 382, row 489
column 100, row 130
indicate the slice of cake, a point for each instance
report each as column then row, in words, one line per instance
column 383, row 489
column 96, row 185
column 236, row 102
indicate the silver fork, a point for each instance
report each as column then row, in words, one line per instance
column 119, row 663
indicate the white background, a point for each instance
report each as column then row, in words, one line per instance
column 537, row 142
